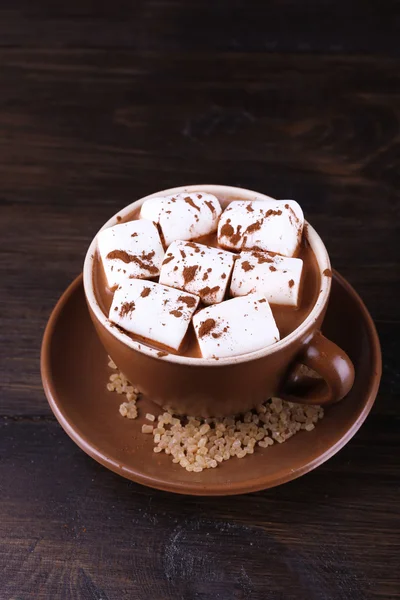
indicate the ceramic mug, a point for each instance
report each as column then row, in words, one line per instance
column 207, row 387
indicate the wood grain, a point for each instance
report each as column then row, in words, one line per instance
column 103, row 103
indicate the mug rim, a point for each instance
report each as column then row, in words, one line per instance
column 317, row 246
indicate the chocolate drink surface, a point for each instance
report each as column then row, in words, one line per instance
column 287, row 318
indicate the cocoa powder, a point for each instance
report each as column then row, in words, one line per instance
column 206, row 327
column 128, row 258
column 126, row 308
column 145, row 292
column 189, row 273
column 227, row 229
column 254, row 227
column 206, row 291
column 189, row 201
column 246, row 266
column 210, row 205
column 188, row 300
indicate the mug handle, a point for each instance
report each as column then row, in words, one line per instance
column 331, row 363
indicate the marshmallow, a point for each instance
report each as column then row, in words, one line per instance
column 130, row 250
column 184, row 216
column 235, row 327
column 271, row 225
column 276, row 277
column 198, row 269
column 154, row 312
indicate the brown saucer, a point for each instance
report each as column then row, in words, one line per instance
column 75, row 373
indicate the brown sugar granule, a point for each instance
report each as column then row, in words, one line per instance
column 175, row 268
column 126, row 308
column 210, row 205
column 205, row 276
column 291, row 283
column 223, row 276
column 199, row 196
column 173, row 199
column 262, row 300
column 249, row 208
column 254, row 227
column 168, row 259
column 145, row 292
column 197, row 444
column 119, row 219
column 206, row 326
column 176, row 313
column 161, row 353
column 189, row 273
column 134, row 234
column 183, row 253
column 327, row 273
column 246, row 266
column 189, row 201
column 272, row 268
column 205, row 291
column 227, row 229
column 188, row 300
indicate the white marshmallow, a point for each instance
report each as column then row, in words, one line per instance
column 235, row 327
column 276, row 277
column 198, row 269
column 130, row 250
column 271, row 225
column 184, row 216
column 154, row 312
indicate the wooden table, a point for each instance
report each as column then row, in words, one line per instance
column 100, row 105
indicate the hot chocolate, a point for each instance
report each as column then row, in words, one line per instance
column 238, row 268
column 259, row 349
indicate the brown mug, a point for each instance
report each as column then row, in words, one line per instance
column 206, row 387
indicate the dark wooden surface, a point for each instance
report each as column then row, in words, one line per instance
column 100, row 104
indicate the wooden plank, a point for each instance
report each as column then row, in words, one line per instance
column 71, row 529
column 160, row 25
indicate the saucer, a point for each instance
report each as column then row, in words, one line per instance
column 75, row 373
